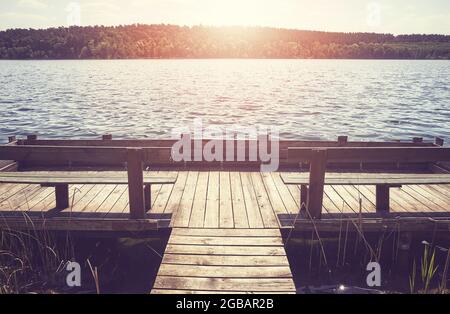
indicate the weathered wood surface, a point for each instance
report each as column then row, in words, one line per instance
column 379, row 225
column 170, row 142
column 224, row 261
column 370, row 178
column 78, row 224
column 68, row 177
column 374, row 154
column 197, row 202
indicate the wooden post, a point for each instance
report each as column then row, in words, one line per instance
column 439, row 141
column 417, row 140
column 62, row 196
column 11, row 139
column 148, row 197
column 107, row 137
column 136, row 183
column 382, row 199
column 31, row 137
column 303, row 197
column 342, row 140
column 317, row 168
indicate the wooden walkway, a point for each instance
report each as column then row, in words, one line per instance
column 221, row 200
column 224, row 261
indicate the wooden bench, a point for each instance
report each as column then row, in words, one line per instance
column 62, row 180
column 382, row 181
column 313, row 183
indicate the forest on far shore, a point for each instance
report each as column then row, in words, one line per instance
column 171, row 41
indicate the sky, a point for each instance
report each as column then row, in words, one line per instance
column 382, row 16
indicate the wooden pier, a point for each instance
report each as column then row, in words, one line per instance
column 224, row 218
column 224, row 261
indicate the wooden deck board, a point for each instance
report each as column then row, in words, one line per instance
column 219, row 199
column 239, row 260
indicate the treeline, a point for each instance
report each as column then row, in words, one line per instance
column 170, row 41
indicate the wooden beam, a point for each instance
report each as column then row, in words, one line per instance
column 148, row 197
column 62, row 196
column 374, row 225
column 169, row 143
column 77, row 224
column 382, row 198
column 342, row 140
column 439, row 141
column 135, row 183
column 303, row 196
column 374, row 154
column 316, row 182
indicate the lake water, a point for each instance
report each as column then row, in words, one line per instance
column 306, row 99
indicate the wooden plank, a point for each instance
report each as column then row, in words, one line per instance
column 171, row 142
column 432, row 192
column 98, row 177
column 173, row 203
column 424, row 200
column 226, row 232
column 212, row 201
column 85, row 199
column 274, row 196
column 226, row 218
column 224, row 250
column 9, row 190
column 224, row 284
column 160, row 200
column 121, row 204
column 78, row 224
column 375, row 225
column 340, row 203
column 352, row 199
column 237, row 195
column 357, row 193
column 370, row 179
column 251, row 203
column 211, row 272
column 218, row 260
column 183, row 214
column 225, row 241
column 81, row 154
column 112, row 199
column 265, row 207
column 410, row 204
column 432, row 195
column 199, row 206
column 21, row 196
column 374, row 154
column 35, row 199
column 160, row 203
column 99, row 200
column 290, row 202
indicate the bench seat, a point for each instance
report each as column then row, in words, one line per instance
column 62, row 179
column 382, row 181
